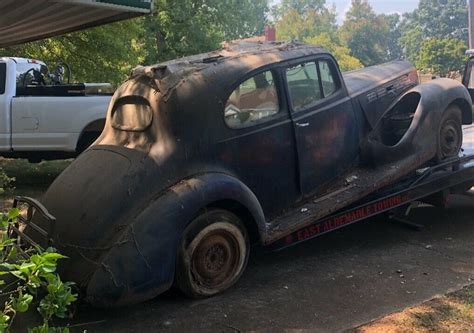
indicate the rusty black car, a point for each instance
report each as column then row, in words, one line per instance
column 202, row 156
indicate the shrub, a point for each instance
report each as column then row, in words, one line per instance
column 29, row 281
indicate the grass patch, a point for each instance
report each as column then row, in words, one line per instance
column 30, row 179
column 26, row 173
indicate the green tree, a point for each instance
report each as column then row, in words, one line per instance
column 340, row 52
column 312, row 22
column 394, row 50
column 179, row 28
column 304, row 21
column 300, row 6
column 366, row 33
column 442, row 56
column 433, row 19
column 102, row 54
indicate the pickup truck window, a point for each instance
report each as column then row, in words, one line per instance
column 327, row 78
column 253, row 100
column 303, row 85
column 3, row 74
column 30, row 73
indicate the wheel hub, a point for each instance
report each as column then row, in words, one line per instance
column 449, row 139
column 215, row 259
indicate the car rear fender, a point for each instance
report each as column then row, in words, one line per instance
column 142, row 265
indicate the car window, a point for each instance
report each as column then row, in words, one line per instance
column 253, row 100
column 303, row 85
column 30, row 73
column 327, row 78
column 470, row 84
column 3, row 74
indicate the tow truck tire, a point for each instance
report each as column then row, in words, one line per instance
column 450, row 134
column 213, row 254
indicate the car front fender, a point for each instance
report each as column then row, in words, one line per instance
column 421, row 137
column 141, row 265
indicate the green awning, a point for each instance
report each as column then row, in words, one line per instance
column 28, row 20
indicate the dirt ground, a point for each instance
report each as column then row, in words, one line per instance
column 453, row 312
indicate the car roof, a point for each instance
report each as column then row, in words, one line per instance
column 231, row 61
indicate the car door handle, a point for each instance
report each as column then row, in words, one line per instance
column 302, row 124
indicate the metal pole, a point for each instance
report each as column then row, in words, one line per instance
column 471, row 23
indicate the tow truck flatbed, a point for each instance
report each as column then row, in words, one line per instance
column 452, row 176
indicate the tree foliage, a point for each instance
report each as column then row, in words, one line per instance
column 175, row 29
column 442, row 56
column 433, row 19
column 305, row 19
column 366, row 33
column 340, row 52
column 314, row 23
column 102, row 54
column 179, row 28
column 393, row 49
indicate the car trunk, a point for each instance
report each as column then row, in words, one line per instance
column 375, row 88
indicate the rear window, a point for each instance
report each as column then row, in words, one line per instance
column 3, row 75
column 132, row 113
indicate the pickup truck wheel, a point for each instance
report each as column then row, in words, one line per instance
column 86, row 140
column 450, row 134
column 213, row 254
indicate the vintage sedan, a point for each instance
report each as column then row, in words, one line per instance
column 204, row 155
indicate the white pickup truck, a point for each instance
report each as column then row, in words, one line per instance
column 43, row 118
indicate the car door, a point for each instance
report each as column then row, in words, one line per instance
column 257, row 141
column 324, row 122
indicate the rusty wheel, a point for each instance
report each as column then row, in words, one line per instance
column 450, row 134
column 213, row 254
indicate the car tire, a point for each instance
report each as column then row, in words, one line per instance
column 450, row 134
column 213, row 254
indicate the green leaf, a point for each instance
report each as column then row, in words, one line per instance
column 4, row 321
column 22, row 303
column 53, row 256
column 13, row 213
column 8, row 266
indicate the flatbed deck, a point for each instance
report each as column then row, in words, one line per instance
column 344, row 206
